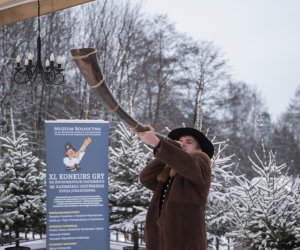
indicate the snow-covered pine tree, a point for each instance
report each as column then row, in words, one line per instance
column 23, row 179
column 128, row 198
column 218, row 215
column 7, row 201
column 267, row 208
column 218, row 211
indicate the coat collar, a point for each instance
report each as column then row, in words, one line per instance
column 165, row 173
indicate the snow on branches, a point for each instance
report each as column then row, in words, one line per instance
column 219, row 212
column 128, row 198
column 267, row 207
column 22, row 193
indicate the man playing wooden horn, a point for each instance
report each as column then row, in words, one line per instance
column 73, row 157
column 180, row 178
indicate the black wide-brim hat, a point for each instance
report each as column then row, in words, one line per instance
column 203, row 141
column 69, row 146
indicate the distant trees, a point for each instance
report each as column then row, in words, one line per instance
column 286, row 148
column 159, row 70
column 206, row 72
column 292, row 116
column 237, row 120
column 286, row 136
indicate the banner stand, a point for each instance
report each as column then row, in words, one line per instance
column 77, row 184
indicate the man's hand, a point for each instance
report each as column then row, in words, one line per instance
column 179, row 143
column 87, row 141
column 148, row 137
column 76, row 155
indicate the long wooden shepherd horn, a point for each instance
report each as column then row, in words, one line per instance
column 86, row 61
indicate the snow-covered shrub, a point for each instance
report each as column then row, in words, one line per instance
column 267, row 208
column 128, row 198
column 219, row 212
column 22, row 180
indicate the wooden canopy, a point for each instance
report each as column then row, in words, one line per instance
column 15, row 10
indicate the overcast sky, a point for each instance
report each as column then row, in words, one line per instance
column 260, row 38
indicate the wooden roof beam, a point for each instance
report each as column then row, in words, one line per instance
column 12, row 10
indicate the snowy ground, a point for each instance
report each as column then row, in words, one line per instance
column 36, row 244
column 114, row 245
column 41, row 245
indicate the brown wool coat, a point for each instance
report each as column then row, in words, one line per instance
column 181, row 225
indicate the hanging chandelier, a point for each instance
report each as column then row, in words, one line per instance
column 51, row 74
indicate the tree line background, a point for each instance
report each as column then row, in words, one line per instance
column 159, row 74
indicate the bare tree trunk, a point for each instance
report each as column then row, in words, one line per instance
column 198, row 109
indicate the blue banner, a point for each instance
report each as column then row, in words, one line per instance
column 77, row 184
